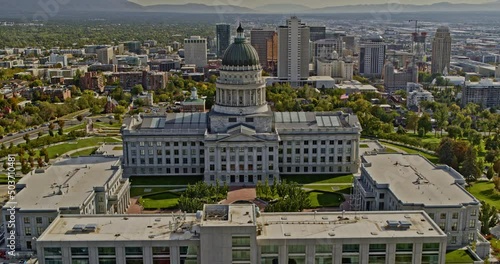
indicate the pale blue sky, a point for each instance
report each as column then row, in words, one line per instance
column 310, row 3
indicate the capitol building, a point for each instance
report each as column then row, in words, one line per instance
column 241, row 141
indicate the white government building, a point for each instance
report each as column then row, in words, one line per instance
column 398, row 181
column 241, row 141
column 222, row 234
column 85, row 185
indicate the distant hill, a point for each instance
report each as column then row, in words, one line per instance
column 282, row 8
column 198, row 8
column 117, row 6
column 33, row 6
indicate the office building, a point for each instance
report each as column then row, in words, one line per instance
column 195, row 51
column 193, row 103
column 241, row 141
column 223, row 38
column 485, row 93
column 351, row 44
column 329, row 64
column 293, row 51
column 327, row 46
column 395, row 79
column 415, row 94
column 82, row 186
column 372, row 57
column 441, row 51
column 317, row 33
column 55, row 59
column 105, row 55
column 150, row 80
column 240, row 234
column 398, row 181
column 92, row 81
column 265, row 43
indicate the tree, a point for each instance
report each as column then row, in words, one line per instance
column 137, row 89
column 454, row 132
column 446, row 152
column 79, row 118
column 488, row 217
column 490, row 173
column 441, row 116
column 496, row 166
column 491, row 156
column 474, row 78
column 470, row 169
column 27, row 138
column 496, row 182
column 424, row 122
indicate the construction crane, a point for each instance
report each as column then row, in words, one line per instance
column 418, row 47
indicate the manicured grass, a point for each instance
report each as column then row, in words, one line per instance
column 85, row 152
column 391, row 150
column 495, row 245
column 81, row 143
column 485, row 191
column 4, row 179
column 329, row 188
column 363, row 146
column 161, row 200
column 458, row 256
column 309, row 179
column 73, row 115
column 432, row 158
column 325, row 199
column 118, row 148
column 73, row 128
column 140, row 191
column 168, row 180
column 114, row 126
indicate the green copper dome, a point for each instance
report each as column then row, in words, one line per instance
column 240, row 53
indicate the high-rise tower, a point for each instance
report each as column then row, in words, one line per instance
column 441, row 51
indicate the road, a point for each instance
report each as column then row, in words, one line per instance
column 18, row 138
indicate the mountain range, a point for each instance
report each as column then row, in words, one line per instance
column 32, row 6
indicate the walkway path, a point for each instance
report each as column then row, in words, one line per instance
column 240, row 194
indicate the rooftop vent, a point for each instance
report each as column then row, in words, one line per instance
column 287, row 234
column 392, row 223
column 91, row 227
column 331, row 234
column 284, row 218
column 78, row 228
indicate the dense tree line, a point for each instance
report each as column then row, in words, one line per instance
column 202, row 193
column 283, row 196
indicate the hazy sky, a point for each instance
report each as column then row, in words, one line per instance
column 309, row 3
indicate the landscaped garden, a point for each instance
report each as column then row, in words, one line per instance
column 312, row 179
column 459, row 256
column 485, row 191
column 170, row 180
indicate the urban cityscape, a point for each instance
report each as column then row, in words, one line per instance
column 205, row 132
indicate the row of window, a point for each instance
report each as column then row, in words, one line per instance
column 111, row 251
column 314, row 151
column 167, row 144
column 168, row 152
column 299, row 159
column 168, row 170
column 348, row 248
column 179, row 161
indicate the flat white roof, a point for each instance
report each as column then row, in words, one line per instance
column 308, row 225
column 415, row 180
column 74, row 177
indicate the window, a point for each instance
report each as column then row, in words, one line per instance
column 131, row 251
column 158, row 144
column 27, row 231
column 430, row 247
column 472, row 223
column 232, row 120
column 376, row 259
column 404, row 258
column 473, row 213
column 26, row 220
column 430, row 258
column 188, row 254
column 39, row 220
column 442, row 216
column 404, row 247
column 150, row 144
column 454, row 226
column 249, row 119
column 453, row 239
column 377, row 247
column 296, row 249
column 269, row 249
column 106, row 251
column 79, row 251
column 323, row 249
column 39, row 230
column 350, row 248
column 454, row 215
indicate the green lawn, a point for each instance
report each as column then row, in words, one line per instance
column 81, row 143
column 140, row 191
column 391, row 150
column 85, row 152
column 310, row 179
column 73, row 128
column 106, row 125
column 118, row 148
column 73, row 115
column 433, row 158
column 363, row 146
column 161, row 200
column 485, row 191
column 4, row 178
column 169, row 180
column 325, row 199
column 459, row 256
column 329, row 188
